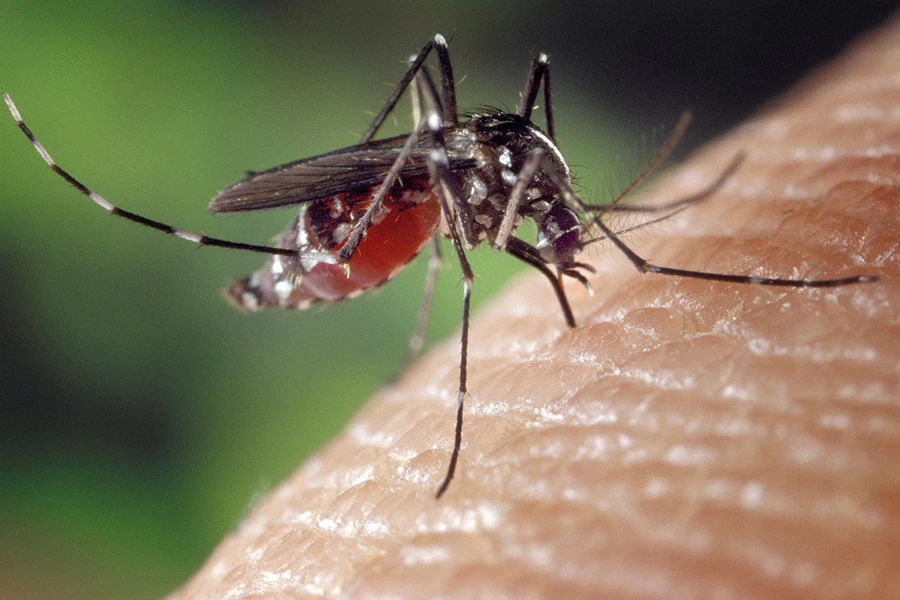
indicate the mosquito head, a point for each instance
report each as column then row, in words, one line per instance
column 559, row 237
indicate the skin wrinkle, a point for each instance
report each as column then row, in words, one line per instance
column 690, row 439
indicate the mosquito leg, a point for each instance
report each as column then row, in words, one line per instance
column 407, row 78
column 360, row 227
column 527, row 253
column 417, row 96
column 448, row 191
column 423, row 93
column 467, row 279
column 644, row 266
column 417, row 341
column 457, row 210
column 517, row 195
column 425, row 87
column 463, row 362
column 196, row 238
column 428, row 95
column 447, row 109
column 548, row 107
column 450, row 112
column 530, row 256
column 435, row 262
column 540, row 71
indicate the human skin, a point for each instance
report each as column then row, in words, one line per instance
column 690, row 439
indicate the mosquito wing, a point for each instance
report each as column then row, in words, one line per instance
column 347, row 170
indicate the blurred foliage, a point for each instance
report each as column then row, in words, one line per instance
column 140, row 414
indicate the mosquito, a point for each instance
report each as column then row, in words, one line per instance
column 366, row 211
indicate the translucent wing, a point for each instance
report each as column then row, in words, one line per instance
column 347, row 170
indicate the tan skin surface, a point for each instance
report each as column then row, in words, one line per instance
column 690, row 439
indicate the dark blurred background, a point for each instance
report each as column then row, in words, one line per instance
column 140, row 415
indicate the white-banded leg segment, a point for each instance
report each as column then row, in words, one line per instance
column 190, row 236
column 461, row 394
column 449, row 195
column 458, row 212
column 645, row 266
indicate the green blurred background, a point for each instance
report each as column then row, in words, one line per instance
column 140, row 415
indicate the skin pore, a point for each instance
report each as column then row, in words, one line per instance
column 689, row 439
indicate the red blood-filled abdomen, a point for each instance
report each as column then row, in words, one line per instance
column 388, row 246
column 400, row 230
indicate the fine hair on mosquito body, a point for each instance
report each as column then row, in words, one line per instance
column 366, row 211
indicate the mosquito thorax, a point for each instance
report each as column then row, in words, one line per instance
column 502, row 144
